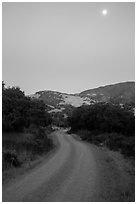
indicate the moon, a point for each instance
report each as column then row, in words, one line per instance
column 104, row 12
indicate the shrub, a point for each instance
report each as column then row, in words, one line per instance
column 103, row 118
column 19, row 111
column 114, row 141
column 128, row 147
column 99, row 139
column 84, row 134
column 41, row 142
column 10, row 159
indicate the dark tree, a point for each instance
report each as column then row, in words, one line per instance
column 19, row 111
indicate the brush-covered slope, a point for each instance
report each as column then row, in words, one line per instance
column 56, row 99
column 121, row 93
column 116, row 93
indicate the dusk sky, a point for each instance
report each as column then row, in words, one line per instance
column 67, row 47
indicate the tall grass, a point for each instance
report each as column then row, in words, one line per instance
column 114, row 141
column 23, row 147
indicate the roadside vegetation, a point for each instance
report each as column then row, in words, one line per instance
column 112, row 128
column 105, row 125
column 25, row 128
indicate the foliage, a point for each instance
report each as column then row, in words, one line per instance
column 58, row 119
column 19, row 111
column 41, row 142
column 105, row 124
column 24, row 147
column 102, row 118
column 22, row 122
column 10, row 158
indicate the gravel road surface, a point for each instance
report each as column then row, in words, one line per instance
column 76, row 172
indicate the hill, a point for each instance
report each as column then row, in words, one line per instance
column 117, row 93
column 120, row 93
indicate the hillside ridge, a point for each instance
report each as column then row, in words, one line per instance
column 119, row 93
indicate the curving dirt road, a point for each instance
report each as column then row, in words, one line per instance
column 77, row 172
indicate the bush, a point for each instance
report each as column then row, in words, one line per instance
column 103, row 118
column 19, row 111
column 99, row 139
column 20, row 148
column 38, row 142
column 84, row 134
column 32, row 129
column 10, row 159
column 128, row 147
column 114, row 141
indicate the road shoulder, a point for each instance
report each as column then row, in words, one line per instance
column 116, row 174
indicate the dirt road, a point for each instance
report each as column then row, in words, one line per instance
column 76, row 172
